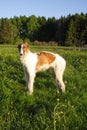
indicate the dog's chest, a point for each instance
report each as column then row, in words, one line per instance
column 29, row 61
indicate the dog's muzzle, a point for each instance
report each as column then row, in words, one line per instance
column 21, row 54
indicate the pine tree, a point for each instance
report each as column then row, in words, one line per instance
column 71, row 34
column 84, row 36
column 8, row 32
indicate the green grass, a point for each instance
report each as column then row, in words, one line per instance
column 45, row 109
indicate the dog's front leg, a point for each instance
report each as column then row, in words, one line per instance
column 30, row 83
column 27, row 77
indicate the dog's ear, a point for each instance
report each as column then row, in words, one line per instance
column 19, row 45
column 27, row 45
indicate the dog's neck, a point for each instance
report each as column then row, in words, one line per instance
column 25, row 55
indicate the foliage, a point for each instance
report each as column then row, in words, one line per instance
column 66, row 31
column 45, row 109
column 75, row 30
column 84, row 36
column 8, row 32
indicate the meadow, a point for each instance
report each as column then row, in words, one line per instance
column 45, row 109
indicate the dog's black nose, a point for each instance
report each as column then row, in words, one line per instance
column 21, row 54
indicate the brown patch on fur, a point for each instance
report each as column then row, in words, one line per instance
column 44, row 58
column 25, row 47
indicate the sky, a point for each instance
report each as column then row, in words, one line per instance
column 46, row 8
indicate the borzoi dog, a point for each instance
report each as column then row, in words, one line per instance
column 36, row 62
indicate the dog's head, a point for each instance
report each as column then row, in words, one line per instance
column 23, row 48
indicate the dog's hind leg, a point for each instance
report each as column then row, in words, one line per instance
column 58, row 81
column 60, row 84
column 58, row 75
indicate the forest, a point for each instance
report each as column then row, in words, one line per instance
column 65, row 31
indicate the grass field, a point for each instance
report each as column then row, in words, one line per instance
column 45, row 109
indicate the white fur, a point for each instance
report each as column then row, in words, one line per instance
column 29, row 61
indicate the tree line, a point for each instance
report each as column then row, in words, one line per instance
column 65, row 31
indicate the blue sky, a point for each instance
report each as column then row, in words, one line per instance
column 47, row 8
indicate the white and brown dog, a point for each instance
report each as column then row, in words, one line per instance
column 35, row 62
